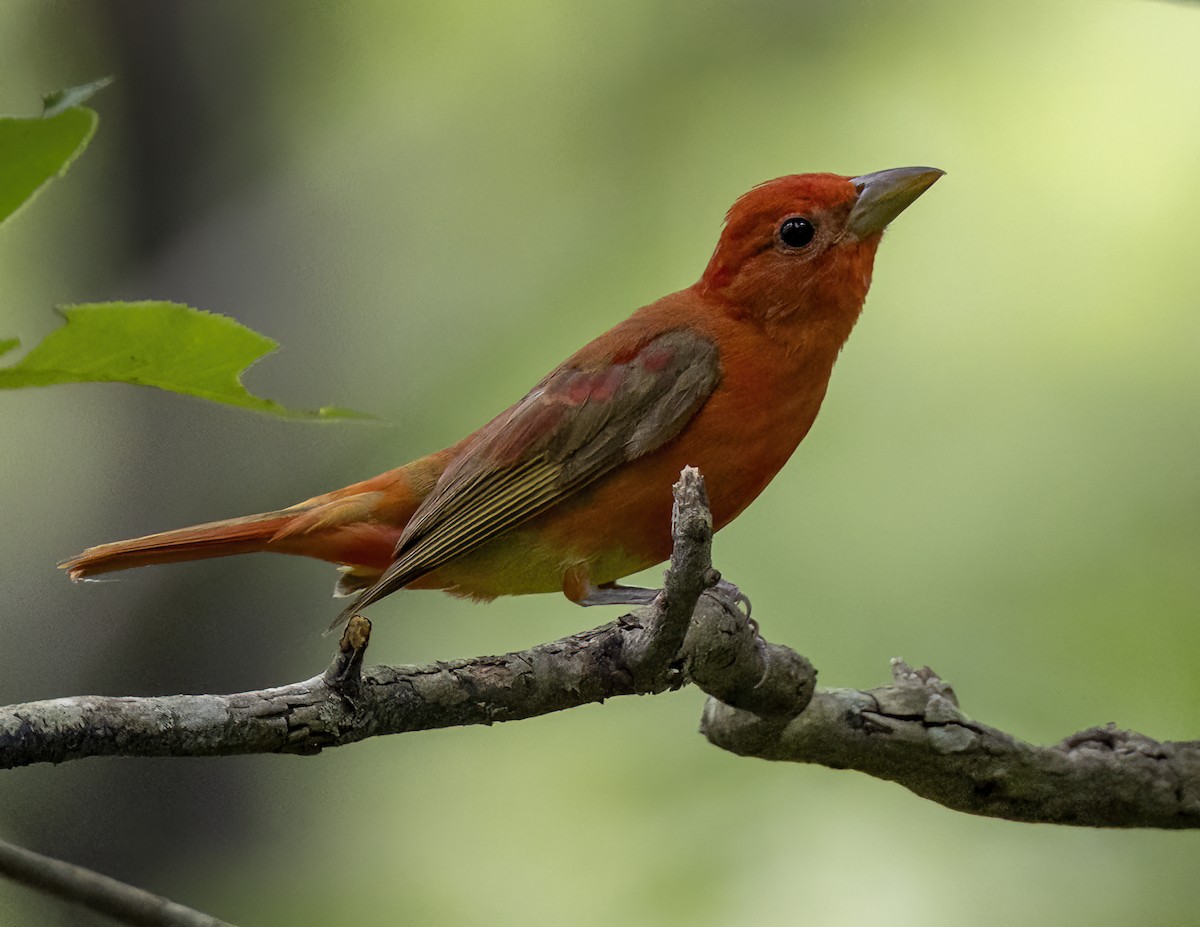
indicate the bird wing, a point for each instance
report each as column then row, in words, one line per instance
column 576, row 425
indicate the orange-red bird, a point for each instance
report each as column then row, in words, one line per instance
column 570, row 489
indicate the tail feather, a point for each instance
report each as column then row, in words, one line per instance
column 214, row 539
column 356, row 526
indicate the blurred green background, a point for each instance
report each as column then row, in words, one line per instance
column 429, row 205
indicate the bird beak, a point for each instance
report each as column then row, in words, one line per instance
column 885, row 194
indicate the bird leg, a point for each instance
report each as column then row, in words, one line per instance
column 615, row 594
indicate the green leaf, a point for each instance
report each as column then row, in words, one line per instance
column 166, row 345
column 33, row 151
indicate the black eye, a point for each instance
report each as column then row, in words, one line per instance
column 796, row 232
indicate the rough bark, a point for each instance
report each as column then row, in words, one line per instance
column 913, row 732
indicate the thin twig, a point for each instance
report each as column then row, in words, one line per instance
column 124, row 903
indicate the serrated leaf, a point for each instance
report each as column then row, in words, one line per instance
column 33, row 151
column 160, row 344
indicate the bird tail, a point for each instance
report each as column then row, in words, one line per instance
column 356, row 526
column 215, row 539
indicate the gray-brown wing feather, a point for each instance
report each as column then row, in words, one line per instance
column 571, row 429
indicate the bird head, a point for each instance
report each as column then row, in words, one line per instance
column 803, row 245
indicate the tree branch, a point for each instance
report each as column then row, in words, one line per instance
column 686, row 632
column 97, row 892
column 911, row 732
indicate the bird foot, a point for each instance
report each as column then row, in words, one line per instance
column 734, row 599
column 728, row 590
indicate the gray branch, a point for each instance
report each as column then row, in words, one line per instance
column 911, row 732
column 124, row 903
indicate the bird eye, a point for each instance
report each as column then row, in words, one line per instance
column 796, row 232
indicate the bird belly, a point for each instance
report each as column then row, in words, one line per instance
column 524, row 561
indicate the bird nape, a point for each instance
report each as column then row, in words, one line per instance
column 570, row 488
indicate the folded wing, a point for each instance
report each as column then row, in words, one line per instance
column 571, row 429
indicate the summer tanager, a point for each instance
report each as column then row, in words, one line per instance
column 570, row 489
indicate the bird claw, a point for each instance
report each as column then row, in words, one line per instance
column 733, row 598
